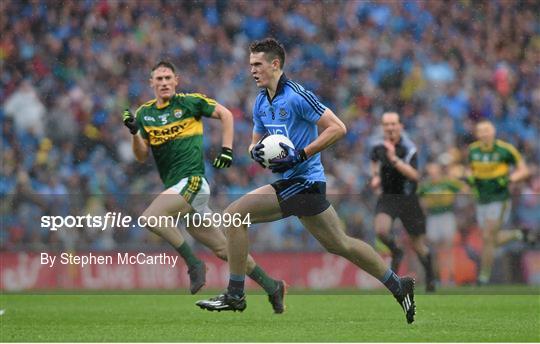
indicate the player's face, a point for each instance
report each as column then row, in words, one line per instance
column 262, row 70
column 485, row 132
column 163, row 82
column 434, row 171
column 391, row 127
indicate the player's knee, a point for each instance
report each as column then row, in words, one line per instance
column 148, row 214
column 334, row 249
column 418, row 243
column 152, row 210
column 221, row 253
column 489, row 235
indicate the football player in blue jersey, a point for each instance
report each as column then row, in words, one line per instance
column 285, row 107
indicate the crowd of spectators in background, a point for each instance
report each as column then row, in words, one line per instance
column 69, row 68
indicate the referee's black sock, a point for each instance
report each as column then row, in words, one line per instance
column 427, row 264
column 390, row 243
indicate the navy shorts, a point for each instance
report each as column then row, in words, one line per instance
column 301, row 197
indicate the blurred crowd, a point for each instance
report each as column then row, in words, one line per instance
column 69, row 68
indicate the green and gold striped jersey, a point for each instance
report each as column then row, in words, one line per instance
column 174, row 132
column 439, row 196
column 491, row 168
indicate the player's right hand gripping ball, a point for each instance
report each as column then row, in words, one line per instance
column 224, row 160
column 257, row 154
column 129, row 121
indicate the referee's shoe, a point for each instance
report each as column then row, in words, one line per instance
column 406, row 298
column 224, row 302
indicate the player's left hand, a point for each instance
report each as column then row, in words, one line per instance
column 293, row 158
column 224, row 159
column 503, row 181
column 129, row 122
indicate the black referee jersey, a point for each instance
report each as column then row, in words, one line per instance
column 392, row 181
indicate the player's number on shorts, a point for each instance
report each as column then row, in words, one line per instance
column 216, row 220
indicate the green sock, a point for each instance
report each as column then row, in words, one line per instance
column 186, row 253
column 258, row 275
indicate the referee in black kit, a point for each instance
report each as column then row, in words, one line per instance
column 394, row 167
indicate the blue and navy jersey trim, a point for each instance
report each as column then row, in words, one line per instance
column 308, row 96
column 280, row 87
column 295, row 189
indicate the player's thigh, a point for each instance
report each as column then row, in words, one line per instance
column 491, row 216
column 385, row 213
column 168, row 202
column 441, row 228
column 261, row 205
column 383, row 223
column 449, row 227
column 326, row 228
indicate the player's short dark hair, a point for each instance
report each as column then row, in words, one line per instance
column 271, row 47
column 165, row 64
column 392, row 111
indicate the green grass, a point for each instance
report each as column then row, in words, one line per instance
column 317, row 317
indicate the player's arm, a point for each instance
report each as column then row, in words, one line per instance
column 258, row 134
column 403, row 167
column 227, row 125
column 521, row 172
column 255, row 148
column 139, row 145
column 225, row 158
column 375, row 180
column 332, row 129
column 467, row 175
column 458, row 186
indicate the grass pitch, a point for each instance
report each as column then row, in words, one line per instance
column 463, row 315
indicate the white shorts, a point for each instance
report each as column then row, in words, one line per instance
column 441, row 227
column 196, row 191
column 494, row 211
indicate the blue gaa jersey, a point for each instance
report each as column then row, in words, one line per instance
column 293, row 112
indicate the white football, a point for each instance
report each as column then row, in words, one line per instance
column 272, row 149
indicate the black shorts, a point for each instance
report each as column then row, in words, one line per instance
column 407, row 209
column 300, row 197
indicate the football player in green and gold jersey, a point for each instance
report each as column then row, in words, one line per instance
column 490, row 163
column 171, row 127
column 438, row 194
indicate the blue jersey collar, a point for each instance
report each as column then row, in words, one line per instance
column 280, row 86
